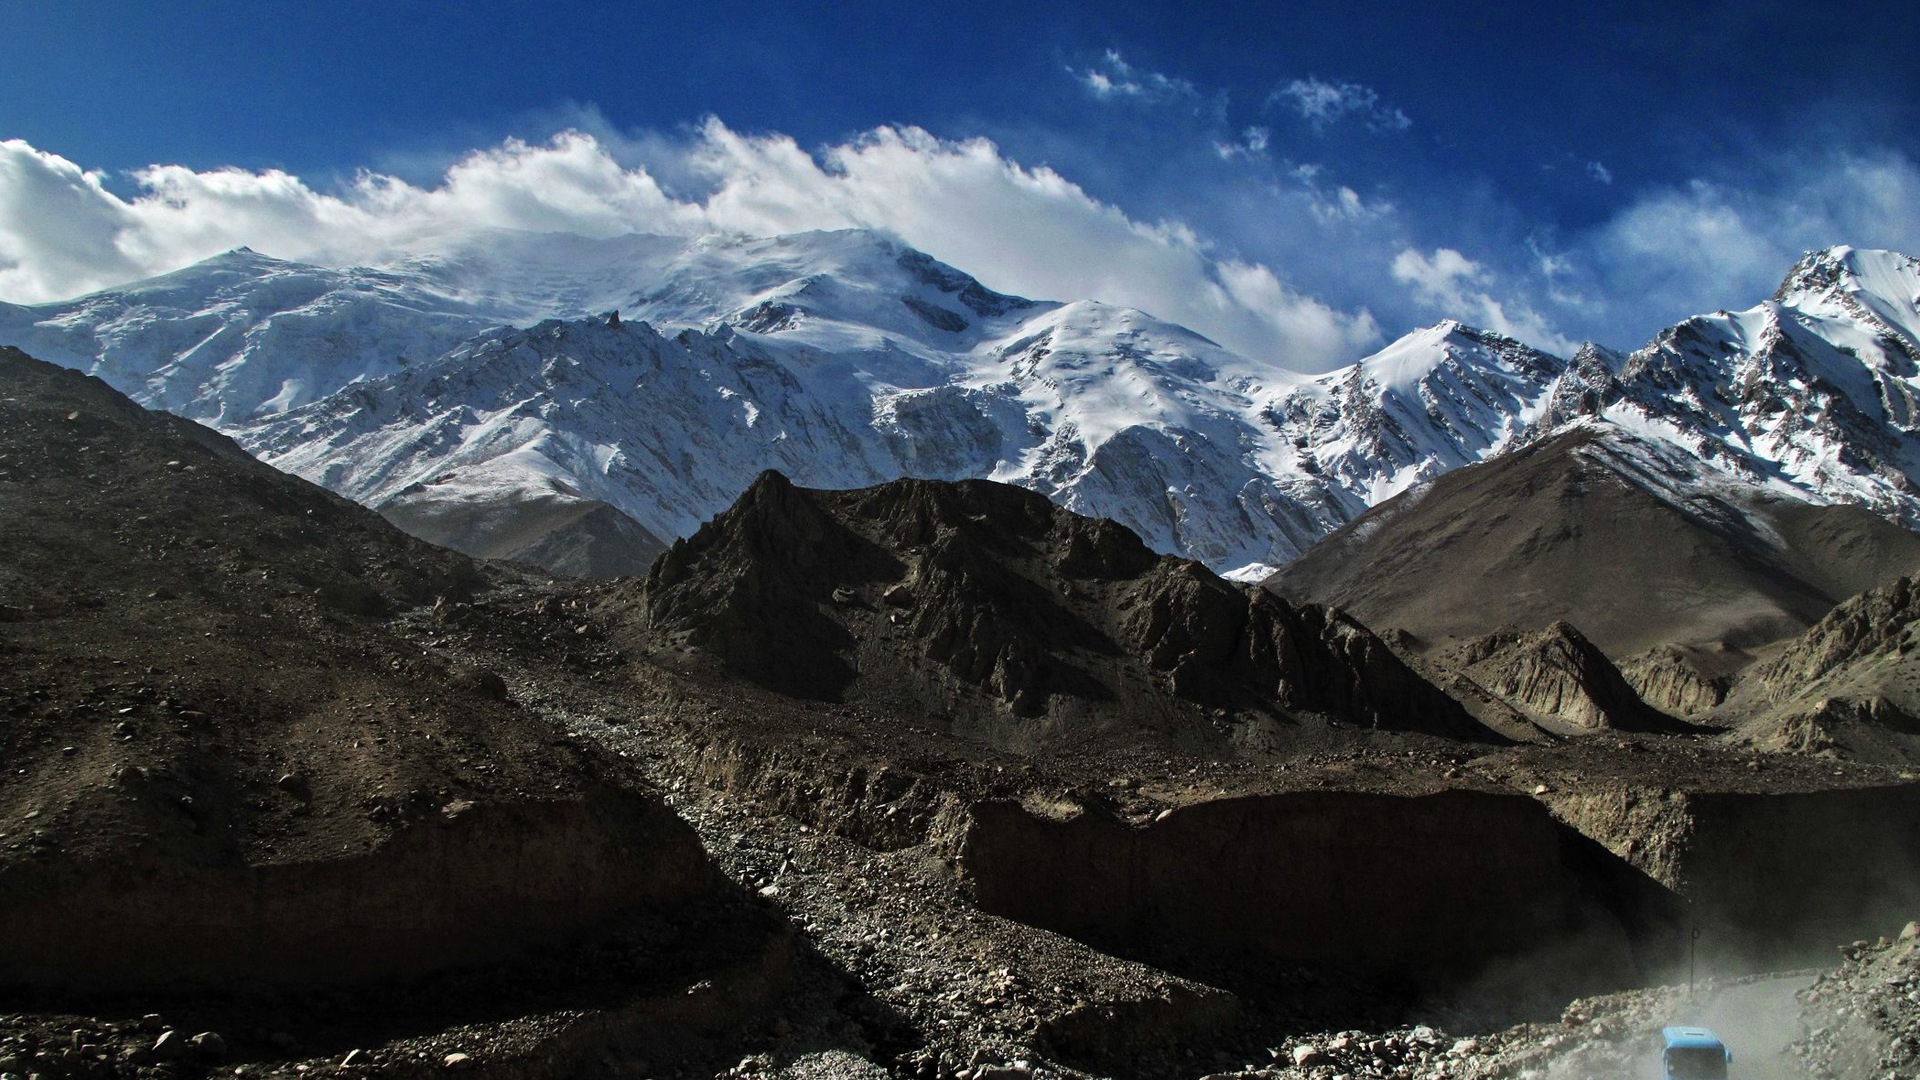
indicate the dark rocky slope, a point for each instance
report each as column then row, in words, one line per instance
column 1578, row 528
column 223, row 762
column 1024, row 623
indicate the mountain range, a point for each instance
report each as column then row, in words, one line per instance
column 489, row 399
column 580, row 403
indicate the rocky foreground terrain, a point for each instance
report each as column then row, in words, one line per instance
column 923, row 780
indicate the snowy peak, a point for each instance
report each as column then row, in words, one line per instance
column 1587, row 386
column 848, row 289
column 1457, row 348
column 971, row 294
column 1815, row 391
column 855, row 289
column 1875, row 287
column 1440, row 397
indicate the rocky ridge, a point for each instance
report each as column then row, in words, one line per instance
column 1557, row 678
column 1850, row 684
column 986, row 602
column 1681, row 681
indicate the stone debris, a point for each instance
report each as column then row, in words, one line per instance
column 170, row 1045
column 1863, row 1018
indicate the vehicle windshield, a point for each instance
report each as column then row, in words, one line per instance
column 1697, row 1063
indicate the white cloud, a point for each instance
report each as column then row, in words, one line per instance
column 1438, row 279
column 1113, row 77
column 1314, row 256
column 62, row 232
column 1706, row 245
column 1461, row 288
column 1249, row 287
column 1599, row 171
column 1324, row 104
column 59, row 226
column 1024, row 230
column 1252, row 143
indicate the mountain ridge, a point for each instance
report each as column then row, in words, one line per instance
column 986, row 607
column 1627, row 538
column 897, row 365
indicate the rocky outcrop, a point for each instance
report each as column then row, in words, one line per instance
column 1207, row 637
column 1680, row 681
column 926, row 589
column 1876, row 626
column 1555, row 675
column 1850, row 685
column 1870, row 728
column 753, row 588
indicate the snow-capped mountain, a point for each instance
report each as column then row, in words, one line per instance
column 1438, row 398
column 1813, row 391
column 241, row 335
column 491, row 375
column 869, row 363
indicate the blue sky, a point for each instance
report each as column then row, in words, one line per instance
column 1302, row 181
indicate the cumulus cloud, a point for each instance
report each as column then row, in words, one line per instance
column 1462, row 288
column 1021, row 229
column 1324, row 104
column 59, row 226
column 1322, row 330
column 62, row 232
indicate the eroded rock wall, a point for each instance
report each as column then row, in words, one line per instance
column 486, row 885
column 1782, row 879
column 1771, row 880
column 1440, row 888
